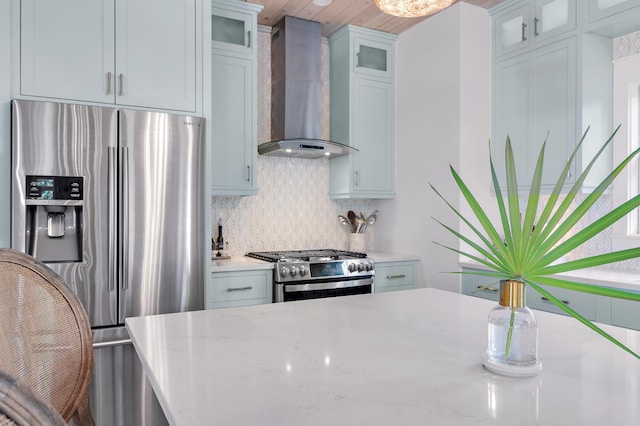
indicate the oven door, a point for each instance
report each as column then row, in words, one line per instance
column 301, row 290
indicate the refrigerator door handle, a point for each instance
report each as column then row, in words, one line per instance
column 111, row 343
column 125, row 219
column 112, row 182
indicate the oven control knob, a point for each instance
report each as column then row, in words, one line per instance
column 303, row 271
column 368, row 267
column 352, row 267
column 284, row 271
column 360, row 267
column 294, row 271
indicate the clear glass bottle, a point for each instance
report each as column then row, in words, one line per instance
column 513, row 330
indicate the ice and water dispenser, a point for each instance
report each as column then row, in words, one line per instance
column 54, row 218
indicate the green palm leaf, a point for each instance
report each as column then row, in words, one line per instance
column 532, row 242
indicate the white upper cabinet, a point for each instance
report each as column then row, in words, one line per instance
column 234, row 98
column 125, row 52
column 535, row 96
column 526, row 23
column 552, row 87
column 156, row 53
column 67, row 49
column 362, row 108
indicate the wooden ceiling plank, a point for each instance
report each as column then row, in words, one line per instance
column 362, row 13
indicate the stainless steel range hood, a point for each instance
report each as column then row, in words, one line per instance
column 296, row 93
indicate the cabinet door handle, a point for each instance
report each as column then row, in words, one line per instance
column 392, row 277
column 357, row 178
column 546, row 300
column 524, row 26
column 108, row 83
column 535, row 27
column 121, row 84
column 239, row 288
column 483, row 288
column 249, row 38
column 248, row 173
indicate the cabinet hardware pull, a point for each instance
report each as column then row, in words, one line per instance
column 248, row 173
column 535, row 27
column 108, row 83
column 239, row 288
column 391, row 277
column 524, row 38
column 121, row 84
column 545, row 299
column 357, row 178
column 481, row 287
column 249, row 38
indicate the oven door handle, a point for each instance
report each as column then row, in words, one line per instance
column 290, row 288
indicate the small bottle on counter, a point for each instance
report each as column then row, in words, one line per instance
column 219, row 244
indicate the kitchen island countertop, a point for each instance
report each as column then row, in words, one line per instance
column 404, row 358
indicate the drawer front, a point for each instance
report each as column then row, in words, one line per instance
column 395, row 276
column 583, row 303
column 625, row 313
column 237, row 289
column 479, row 286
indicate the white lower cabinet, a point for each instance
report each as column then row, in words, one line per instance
column 392, row 276
column 479, row 286
column 242, row 288
column 602, row 309
column 625, row 313
column 583, row 303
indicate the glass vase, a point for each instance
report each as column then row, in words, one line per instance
column 512, row 338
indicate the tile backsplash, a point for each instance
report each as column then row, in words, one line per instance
column 626, row 45
column 292, row 209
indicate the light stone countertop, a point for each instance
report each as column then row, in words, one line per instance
column 381, row 257
column 598, row 276
column 401, row 358
column 244, row 263
column 239, row 263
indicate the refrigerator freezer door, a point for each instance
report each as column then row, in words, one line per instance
column 161, row 213
column 53, row 139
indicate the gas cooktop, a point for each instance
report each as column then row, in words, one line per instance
column 306, row 255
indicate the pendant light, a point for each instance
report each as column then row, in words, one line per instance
column 412, row 8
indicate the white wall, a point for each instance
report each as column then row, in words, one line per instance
column 443, row 99
column 5, row 136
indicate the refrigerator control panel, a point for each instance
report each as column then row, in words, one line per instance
column 54, row 188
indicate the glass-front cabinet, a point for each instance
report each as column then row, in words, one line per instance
column 373, row 57
column 612, row 18
column 511, row 31
column 599, row 9
column 526, row 23
column 232, row 31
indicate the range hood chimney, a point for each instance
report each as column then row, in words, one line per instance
column 296, row 93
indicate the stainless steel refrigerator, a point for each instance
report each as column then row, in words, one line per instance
column 113, row 200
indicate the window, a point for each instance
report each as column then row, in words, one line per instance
column 626, row 112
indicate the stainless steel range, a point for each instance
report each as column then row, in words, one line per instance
column 312, row 274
